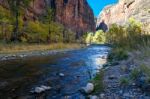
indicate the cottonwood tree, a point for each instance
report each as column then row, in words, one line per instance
column 15, row 7
column 49, row 18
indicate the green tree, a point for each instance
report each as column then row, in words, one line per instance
column 89, row 38
column 99, row 37
column 49, row 17
column 15, row 7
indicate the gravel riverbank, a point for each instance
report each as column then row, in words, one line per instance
column 4, row 57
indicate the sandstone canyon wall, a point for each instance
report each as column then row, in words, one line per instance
column 73, row 14
column 120, row 13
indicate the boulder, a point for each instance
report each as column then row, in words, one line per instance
column 89, row 88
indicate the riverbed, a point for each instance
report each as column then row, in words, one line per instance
column 19, row 76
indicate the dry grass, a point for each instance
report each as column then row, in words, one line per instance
column 14, row 48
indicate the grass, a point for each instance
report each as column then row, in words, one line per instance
column 98, row 82
column 124, row 81
column 19, row 47
column 117, row 54
column 135, row 73
column 145, row 69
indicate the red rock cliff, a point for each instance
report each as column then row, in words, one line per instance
column 73, row 14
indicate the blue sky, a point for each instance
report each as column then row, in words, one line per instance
column 98, row 5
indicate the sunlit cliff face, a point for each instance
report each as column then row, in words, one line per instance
column 123, row 10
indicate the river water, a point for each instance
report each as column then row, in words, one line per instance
column 19, row 76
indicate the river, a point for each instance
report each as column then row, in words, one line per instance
column 19, row 76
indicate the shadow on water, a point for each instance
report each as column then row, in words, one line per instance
column 18, row 77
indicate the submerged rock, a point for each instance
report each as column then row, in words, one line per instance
column 61, row 74
column 41, row 89
column 93, row 97
column 89, row 88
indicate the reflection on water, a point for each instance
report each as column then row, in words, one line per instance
column 18, row 77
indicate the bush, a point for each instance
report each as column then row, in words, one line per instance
column 129, row 36
column 124, row 81
column 135, row 73
column 145, row 69
column 116, row 35
column 118, row 54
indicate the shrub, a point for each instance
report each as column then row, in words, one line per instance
column 118, row 54
column 116, row 34
column 135, row 73
column 124, row 81
column 145, row 69
column 54, row 32
column 128, row 36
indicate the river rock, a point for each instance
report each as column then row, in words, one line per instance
column 93, row 97
column 102, row 96
column 143, row 83
column 89, row 88
column 112, row 77
column 3, row 84
column 104, row 57
column 41, row 89
column 38, row 90
column 46, row 87
column 61, row 74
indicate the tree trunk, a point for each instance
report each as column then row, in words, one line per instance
column 16, row 28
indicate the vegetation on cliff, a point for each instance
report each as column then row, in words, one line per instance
column 16, row 27
column 39, row 31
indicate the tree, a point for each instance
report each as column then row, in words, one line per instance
column 99, row 37
column 89, row 38
column 15, row 7
column 50, row 13
column 3, row 23
column 48, row 19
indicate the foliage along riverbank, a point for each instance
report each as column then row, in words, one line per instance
column 126, row 74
